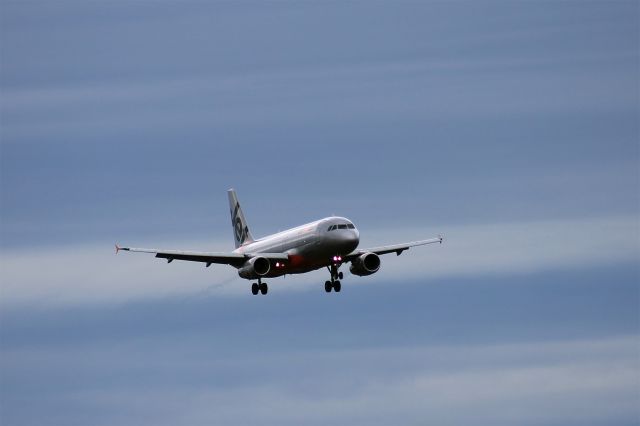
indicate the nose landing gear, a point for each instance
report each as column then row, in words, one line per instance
column 334, row 283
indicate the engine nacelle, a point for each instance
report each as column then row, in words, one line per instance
column 365, row 264
column 255, row 267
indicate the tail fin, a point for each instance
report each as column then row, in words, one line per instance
column 241, row 234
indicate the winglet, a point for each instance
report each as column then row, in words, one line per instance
column 441, row 237
column 117, row 248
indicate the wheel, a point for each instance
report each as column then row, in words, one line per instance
column 264, row 288
column 327, row 286
column 340, row 276
column 337, row 286
column 254, row 288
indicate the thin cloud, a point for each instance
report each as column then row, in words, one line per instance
column 91, row 273
column 547, row 382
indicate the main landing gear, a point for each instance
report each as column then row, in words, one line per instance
column 259, row 287
column 335, row 280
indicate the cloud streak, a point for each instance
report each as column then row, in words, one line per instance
column 92, row 273
column 570, row 382
column 412, row 91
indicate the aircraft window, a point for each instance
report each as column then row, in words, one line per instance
column 331, row 228
column 342, row 226
column 350, row 226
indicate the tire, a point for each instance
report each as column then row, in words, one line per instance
column 254, row 288
column 327, row 286
column 264, row 288
column 337, row 286
column 340, row 276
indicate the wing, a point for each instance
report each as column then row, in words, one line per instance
column 394, row 248
column 233, row 259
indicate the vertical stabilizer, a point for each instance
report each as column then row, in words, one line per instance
column 241, row 234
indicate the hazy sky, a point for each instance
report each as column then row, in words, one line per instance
column 510, row 127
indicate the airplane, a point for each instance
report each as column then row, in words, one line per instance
column 328, row 242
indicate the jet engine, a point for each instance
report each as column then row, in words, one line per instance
column 365, row 264
column 255, row 267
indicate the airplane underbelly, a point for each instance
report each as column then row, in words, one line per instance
column 309, row 255
column 301, row 260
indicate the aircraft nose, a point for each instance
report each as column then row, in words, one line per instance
column 351, row 239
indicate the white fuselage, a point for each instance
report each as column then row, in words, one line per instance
column 311, row 246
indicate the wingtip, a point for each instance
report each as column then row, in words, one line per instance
column 117, row 248
column 441, row 237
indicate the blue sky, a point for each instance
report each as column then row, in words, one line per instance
column 511, row 127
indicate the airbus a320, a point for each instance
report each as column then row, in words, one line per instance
column 326, row 243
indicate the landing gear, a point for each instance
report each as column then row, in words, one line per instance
column 259, row 287
column 335, row 285
column 335, row 280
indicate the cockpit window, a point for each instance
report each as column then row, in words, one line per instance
column 341, row 226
